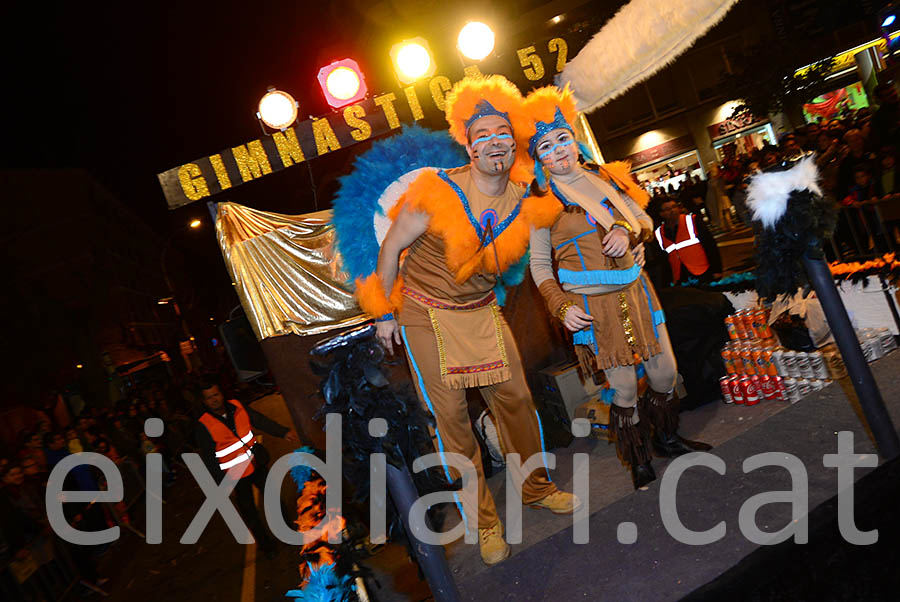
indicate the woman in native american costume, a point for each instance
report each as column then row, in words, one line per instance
column 598, row 291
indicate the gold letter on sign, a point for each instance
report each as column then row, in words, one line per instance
column 386, row 102
column 413, row 101
column 439, row 86
column 288, row 147
column 221, row 174
column 325, row 139
column 192, row 181
column 353, row 116
column 559, row 46
column 533, row 66
column 252, row 164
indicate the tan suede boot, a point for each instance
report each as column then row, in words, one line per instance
column 494, row 548
column 559, row 502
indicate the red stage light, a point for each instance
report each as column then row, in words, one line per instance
column 342, row 83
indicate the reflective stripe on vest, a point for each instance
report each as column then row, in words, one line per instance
column 244, row 457
column 233, row 448
column 236, row 446
column 690, row 240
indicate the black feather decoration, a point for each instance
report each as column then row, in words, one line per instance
column 792, row 219
column 356, row 384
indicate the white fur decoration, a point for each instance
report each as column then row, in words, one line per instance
column 767, row 195
column 390, row 196
column 640, row 39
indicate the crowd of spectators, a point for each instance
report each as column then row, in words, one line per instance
column 27, row 541
column 856, row 154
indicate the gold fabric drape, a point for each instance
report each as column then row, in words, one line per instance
column 287, row 271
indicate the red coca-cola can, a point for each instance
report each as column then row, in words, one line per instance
column 780, row 391
column 768, row 387
column 736, row 393
column 725, row 385
column 750, row 389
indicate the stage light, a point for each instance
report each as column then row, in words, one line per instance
column 475, row 41
column 277, row 109
column 412, row 60
column 889, row 20
column 79, row 366
column 195, row 224
column 342, row 83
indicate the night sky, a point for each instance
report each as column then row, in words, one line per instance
column 129, row 90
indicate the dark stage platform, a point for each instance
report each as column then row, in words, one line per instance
column 547, row 565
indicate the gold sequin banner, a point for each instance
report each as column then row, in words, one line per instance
column 529, row 66
column 286, row 270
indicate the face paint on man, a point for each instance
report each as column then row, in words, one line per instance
column 492, row 147
column 557, row 151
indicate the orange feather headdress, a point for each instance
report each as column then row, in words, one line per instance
column 503, row 96
column 545, row 106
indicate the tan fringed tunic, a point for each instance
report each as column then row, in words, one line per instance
column 622, row 302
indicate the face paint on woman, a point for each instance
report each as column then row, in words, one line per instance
column 557, row 151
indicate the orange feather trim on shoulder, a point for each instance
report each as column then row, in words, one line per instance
column 372, row 298
column 620, row 173
column 464, row 255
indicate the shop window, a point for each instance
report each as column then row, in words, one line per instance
column 665, row 88
column 627, row 110
column 707, row 66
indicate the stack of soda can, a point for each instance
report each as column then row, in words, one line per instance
column 752, row 375
column 876, row 342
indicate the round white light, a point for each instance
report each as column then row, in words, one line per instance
column 413, row 61
column 475, row 41
column 278, row 109
column 342, row 83
column 889, row 20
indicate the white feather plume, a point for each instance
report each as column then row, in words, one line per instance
column 640, row 39
column 767, row 195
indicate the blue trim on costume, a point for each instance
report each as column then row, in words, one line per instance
column 437, row 434
column 592, row 277
column 573, row 239
column 543, row 449
column 658, row 316
column 498, row 230
column 580, row 256
column 585, row 336
column 462, row 197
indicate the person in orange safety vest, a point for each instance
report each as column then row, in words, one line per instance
column 226, row 434
column 691, row 248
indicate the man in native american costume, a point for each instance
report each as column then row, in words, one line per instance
column 598, row 291
column 461, row 229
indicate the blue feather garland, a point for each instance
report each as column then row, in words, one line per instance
column 324, row 585
column 302, row 473
column 356, row 202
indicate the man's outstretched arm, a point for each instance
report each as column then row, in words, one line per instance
column 403, row 232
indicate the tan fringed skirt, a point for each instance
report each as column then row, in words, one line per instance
column 469, row 338
column 622, row 327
